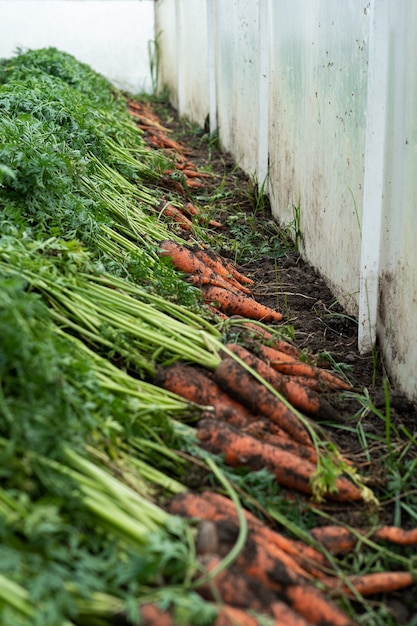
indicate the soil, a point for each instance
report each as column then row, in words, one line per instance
column 320, row 326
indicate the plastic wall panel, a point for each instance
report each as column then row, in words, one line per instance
column 110, row 35
column 237, row 78
column 317, row 132
column 397, row 323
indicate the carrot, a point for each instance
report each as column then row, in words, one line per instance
column 233, row 586
column 208, row 258
column 290, row 471
column 314, row 606
column 217, row 260
column 171, row 211
column 190, row 173
column 279, row 344
column 186, row 261
column 302, row 398
column 279, row 361
column 191, row 211
column 239, row 305
column 182, row 258
column 283, row 614
column 260, row 559
column 300, row 551
column 237, row 382
column 152, row 616
column 339, row 540
column 194, row 385
column 213, row 279
column 231, row 616
column 371, row 584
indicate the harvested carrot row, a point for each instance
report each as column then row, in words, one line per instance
column 290, row 471
column 196, row 386
column 237, row 382
column 280, row 362
column 191, row 173
column 371, row 584
column 239, row 305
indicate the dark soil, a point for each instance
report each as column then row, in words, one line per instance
column 321, row 327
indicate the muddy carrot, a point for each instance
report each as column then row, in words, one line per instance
column 371, row 584
column 314, row 606
column 283, row 614
column 213, row 279
column 182, row 258
column 195, row 173
column 278, row 344
column 338, row 540
column 301, row 398
column 239, row 305
column 213, row 260
column 237, row 382
column 291, row 471
column 220, row 264
column 304, row 554
column 280, row 361
column 258, row 559
column 233, row 586
column 151, row 615
column 231, row 616
column 171, row 211
column 194, row 385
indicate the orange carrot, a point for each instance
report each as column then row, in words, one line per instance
column 213, row 279
column 210, row 261
column 171, row 211
column 339, row 540
column 233, row 586
column 280, row 361
column 290, row 471
column 214, row 258
column 231, row 616
column 306, row 556
column 237, row 382
column 314, row 606
column 182, row 258
column 151, row 615
column 302, row 398
column 371, row 584
column 239, row 305
column 194, row 385
column 195, row 173
column 283, row 614
column 191, row 211
column 278, row 344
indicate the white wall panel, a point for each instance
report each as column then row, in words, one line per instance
column 110, row 35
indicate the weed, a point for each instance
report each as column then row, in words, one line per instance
column 154, row 54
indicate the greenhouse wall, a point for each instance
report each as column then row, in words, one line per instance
column 316, row 101
column 112, row 36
